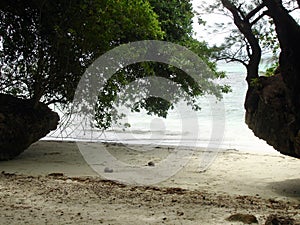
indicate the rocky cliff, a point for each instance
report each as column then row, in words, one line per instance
column 22, row 124
column 271, row 114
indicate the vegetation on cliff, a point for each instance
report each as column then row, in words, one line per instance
column 272, row 103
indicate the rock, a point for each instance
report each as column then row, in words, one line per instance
column 279, row 220
column 108, row 170
column 151, row 163
column 55, row 175
column 244, row 218
column 21, row 124
column 271, row 116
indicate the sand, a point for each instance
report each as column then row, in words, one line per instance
column 51, row 183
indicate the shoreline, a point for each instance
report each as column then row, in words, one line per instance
column 236, row 182
column 223, row 147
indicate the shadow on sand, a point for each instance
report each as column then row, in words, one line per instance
column 287, row 188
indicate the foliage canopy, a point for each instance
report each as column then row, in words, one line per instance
column 47, row 45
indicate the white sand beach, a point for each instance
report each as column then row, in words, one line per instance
column 51, row 183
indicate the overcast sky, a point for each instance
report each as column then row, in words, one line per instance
column 202, row 34
column 218, row 36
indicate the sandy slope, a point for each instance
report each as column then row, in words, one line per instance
column 33, row 190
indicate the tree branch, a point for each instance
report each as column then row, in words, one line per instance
column 54, row 101
column 255, row 11
column 231, row 59
column 248, row 48
column 240, row 11
column 245, row 27
column 259, row 17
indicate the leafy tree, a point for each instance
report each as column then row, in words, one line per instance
column 175, row 19
column 47, row 45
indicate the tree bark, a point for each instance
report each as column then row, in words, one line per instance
column 245, row 27
column 288, row 33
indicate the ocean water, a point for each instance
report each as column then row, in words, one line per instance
column 219, row 124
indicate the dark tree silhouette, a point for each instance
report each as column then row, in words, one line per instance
column 272, row 103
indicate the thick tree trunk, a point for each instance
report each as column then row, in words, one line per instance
column 273, row 106
column 22, row 124
column 288, row 33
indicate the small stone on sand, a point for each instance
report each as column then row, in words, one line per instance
column 151, row 163
column 108, row 170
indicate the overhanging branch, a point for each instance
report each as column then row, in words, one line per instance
column 259, row 17
column 255, row 11
column 245, row 27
